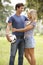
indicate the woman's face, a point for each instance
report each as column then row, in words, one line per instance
column 29, row 15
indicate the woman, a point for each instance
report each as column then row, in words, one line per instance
column 28, row 35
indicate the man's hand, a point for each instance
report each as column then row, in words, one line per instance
column 8, row 38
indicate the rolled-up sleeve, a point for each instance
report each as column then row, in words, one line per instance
column 10, row 20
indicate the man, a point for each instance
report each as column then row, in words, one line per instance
column 17, row 21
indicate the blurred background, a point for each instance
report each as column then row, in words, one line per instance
column 7, row 8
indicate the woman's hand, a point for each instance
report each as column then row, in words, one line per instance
column 14, row 29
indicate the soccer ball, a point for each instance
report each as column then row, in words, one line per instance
column 13, row 38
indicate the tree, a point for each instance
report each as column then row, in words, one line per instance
column 5, row 10
column 36, row 4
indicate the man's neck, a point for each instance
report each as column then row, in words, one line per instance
column 17, row 13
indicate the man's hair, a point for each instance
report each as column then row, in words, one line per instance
column 18, row 5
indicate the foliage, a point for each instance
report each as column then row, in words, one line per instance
column 5, row 11
column 36, row 4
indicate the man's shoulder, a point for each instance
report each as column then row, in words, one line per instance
column 12, row 15
column 11, row 18
column 25, row 17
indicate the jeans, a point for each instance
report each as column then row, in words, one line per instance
column 14, row 46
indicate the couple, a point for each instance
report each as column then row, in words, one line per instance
column 23, row 28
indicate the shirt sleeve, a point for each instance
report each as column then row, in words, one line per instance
column 10, row 19
column 26, row 19
column 33, row 23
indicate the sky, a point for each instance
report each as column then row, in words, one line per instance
column 17, row 1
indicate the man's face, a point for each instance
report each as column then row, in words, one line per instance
column 21, row 9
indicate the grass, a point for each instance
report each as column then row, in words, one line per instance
column 5, row 51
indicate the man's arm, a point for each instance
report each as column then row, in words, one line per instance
column 8, row 31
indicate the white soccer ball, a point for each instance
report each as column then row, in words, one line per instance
column 13, row 38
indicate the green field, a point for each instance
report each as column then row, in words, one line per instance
column 5, row 51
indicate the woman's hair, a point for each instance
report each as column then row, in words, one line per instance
column 33, row 13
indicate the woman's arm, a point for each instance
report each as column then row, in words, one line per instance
column 29, row 27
